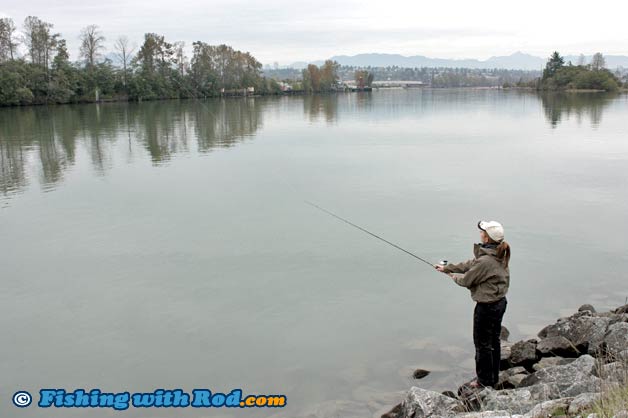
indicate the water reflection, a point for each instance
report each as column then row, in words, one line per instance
column 561, row 106
column 44, row 141
column 226, row 122
column 318, row 106
column 12, row 172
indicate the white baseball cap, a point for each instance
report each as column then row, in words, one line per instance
column 493, row 229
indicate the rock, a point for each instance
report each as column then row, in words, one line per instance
column 516, row 401
column 617, row 318
column 504, row 334
column 505, row 352
column 489, row 414
column 450, row 394
column 584, row 331
column 582, row 402
column 551, row 361
column 621, row 414
column 613, row 372
column 570, row 380
column 503, row 382
column 396, row 412
column 550, row 408
column 623, row 356
column 420, row 373
column 517, row 370
column 511, row 378
column 557, row 346
column 621, row 310
column 510, row 382
column 469, row 396
column 425, row 403
column 523, row 353
column 586, row 307
column 616, row 339
column 543, row 392
column 516, row 379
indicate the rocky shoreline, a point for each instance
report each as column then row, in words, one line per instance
column 563, row 372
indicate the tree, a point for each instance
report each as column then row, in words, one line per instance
column 598, row 62
column 61, row 61
column 124, row 52
column 179, row 57
column 202, row 69
column 364, row 78
column 154, row 54
column 582, row 60
column 31, row 36
column 63, row 85
column 313, row 77
column 554, row 63
column 7, row 39
column 39, row 40
column 91, row 45
column 329, row 75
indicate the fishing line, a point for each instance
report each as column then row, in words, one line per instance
column 368, row 232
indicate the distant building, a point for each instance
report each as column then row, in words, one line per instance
column 284, row 86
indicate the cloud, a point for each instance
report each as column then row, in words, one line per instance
column 291, row 30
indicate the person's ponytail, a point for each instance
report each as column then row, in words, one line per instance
column 503, row 253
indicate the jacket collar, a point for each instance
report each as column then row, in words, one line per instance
column 484, row 249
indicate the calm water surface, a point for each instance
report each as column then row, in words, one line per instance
column 167, row 245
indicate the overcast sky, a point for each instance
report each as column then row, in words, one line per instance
column 287, row 31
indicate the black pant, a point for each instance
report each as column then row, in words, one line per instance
column 487, row 323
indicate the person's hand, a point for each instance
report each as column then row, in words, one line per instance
column 439, row 268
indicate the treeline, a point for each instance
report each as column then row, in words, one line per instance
column 560, row 76
column 158, row 69
column 436, row 77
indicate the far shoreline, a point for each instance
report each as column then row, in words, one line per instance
column 302, row 93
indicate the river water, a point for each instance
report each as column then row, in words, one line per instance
column 168, row 245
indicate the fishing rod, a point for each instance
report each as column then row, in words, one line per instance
column 368, row 232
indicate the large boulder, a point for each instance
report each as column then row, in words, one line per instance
column 582, row 402
column 420, row 403
column 616, row 339
column 557, row 346
column 511, row 378
column 570, row 379
column 523, row 353
column 516, row 401
column 615, row 372
column 585, row 330
column 550, row 362
column 550, row 408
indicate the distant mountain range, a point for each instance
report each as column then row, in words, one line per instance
column 516, row 61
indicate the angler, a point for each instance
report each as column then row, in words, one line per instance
column 487, row 277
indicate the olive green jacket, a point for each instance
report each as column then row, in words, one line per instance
column 483, row 275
